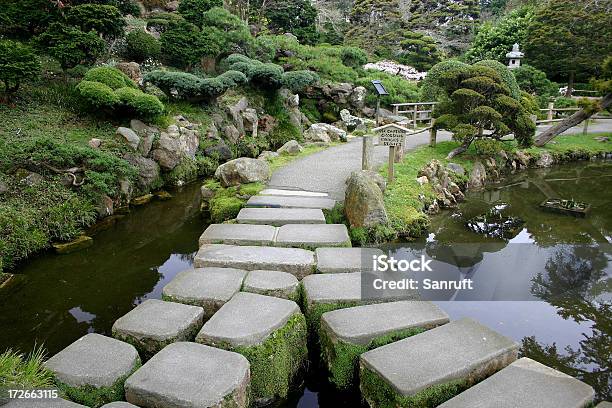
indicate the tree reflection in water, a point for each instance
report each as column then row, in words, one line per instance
column 574, row 282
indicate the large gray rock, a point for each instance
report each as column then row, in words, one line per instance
column 291, row 148
column 345, row 260
column 604, row 404
column 146, row 133
column 129, row 137
column 350, row 121
column 526, row 384
column 323, row 132
column 462, row 350
column 153, row 324
column 313, row 235
column 280, row 216
column 209, row 288
column 94, row 360
column 189, row 375
column 42, row 403
column 298, row 262
column 271, row 283
column 238, row 234
column 119, row 404
column 358, row 97
column 174, row 145
column 456, row 168
column 235, row 111
column 243, row 170
column 247, row 320
column 219, row 150
column 291, row 202
column 478, row 177
column 545, row 160
column 148, row 171
column 364, row 205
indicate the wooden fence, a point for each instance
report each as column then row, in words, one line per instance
column 417, row 115
column 552, row 113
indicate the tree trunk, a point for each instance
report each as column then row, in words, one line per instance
column 464, row 146
column 570, row 122
column 570, row 85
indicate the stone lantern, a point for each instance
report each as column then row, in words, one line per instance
column 514, row 57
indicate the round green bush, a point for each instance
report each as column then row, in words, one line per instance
column 212, row 87
column 140, row 45
column 143, row 105
column 97, row 94
column 267, row 76
column 233, row 78
column 506, row 75
column 109, row 76
column 296, row 81
column 180, row 84
column 430, row 90
column 353, row 57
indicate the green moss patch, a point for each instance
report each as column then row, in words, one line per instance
column 342, row 357
column 227, row 202
column 378, row 393
column 314, row 312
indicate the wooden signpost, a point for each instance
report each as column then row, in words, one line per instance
column 391, row 135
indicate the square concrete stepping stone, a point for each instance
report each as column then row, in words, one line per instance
column 291, row 202
column 270, row 332
column 238, row 234
column 292, row 193
column 296, row 261
column 119, row 404
column 604, row 404
column 42, row 403
column 272, row 283
column 92, row 370
column 348, row 333
column 526, row 384
column 434, row 366
column 208, row 288
column 154, row 324
column 280, row 216
column 345, row 260
column 189, row 375
column 313, row 236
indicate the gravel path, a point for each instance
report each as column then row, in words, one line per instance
column 326, row 171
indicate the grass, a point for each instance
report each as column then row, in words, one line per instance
column 23, row 371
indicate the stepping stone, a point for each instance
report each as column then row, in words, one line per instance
column 272, row 283
column 208, row 288
column 119, row 404
column 291, row 202
column 526, row 384
column 431, row 367
column 153, row 324
column 348, row 333
column 345, row 260
column 238, row 234
column 188, row 375
column 296, row 261
column 313, row 236
column 41, row 403
column 270, row 332
column 292, row 193
column 280, row 216
column 326, row 292
column 604, row 404
column 94, row 364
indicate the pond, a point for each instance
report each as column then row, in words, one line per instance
column 65, row 297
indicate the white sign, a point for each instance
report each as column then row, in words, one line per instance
column 392, row 136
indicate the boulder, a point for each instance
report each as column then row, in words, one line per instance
column 235, row 112
column 147, row 135
column 349, row 120
column 243, row 170
column 323, row 132
column 378, row 179
column 545, row 160
column 95, row 143
column 128, row 136
column 290, row 148
column 221, row 150
column 267, row 155
column 478, row 177
column 131, row 69
column 165, row 158
column 456, row 168
column 172, row 6
column 148, row 171
column 340, row 93
column 231, row 133
column 250, row 120
column 358, row 97
column 386, row 117
column 105, row 206
column 364, row 205
column 175, row 144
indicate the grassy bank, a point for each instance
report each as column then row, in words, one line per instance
column 405, row 199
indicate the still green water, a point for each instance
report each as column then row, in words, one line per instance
column 64, row 297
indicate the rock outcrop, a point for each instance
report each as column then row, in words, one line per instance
column 243, row 170
column 363, row 204
column 323, row 132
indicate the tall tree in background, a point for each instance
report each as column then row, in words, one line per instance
column 569, row 39
column 297, row 17
column 419, row 50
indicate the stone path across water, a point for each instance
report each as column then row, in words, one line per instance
column 280, row 216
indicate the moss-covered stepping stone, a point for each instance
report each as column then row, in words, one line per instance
column 189, row 375
column 348, row 333
column 92, row 370
column 526, row 384
column 270, row 332
column 208, row 288
column 280, row 216
column 430, row 368
column 272, row 283
column 153, row 324
column 238, row 234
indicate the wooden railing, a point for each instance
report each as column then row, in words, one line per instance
column 552, row 113
column 417, row 115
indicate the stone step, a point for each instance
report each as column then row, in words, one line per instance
column 345, row 260
column 153, row 324
column 292, row 193
column 439, row 363
column 270, row 332
column 41, row 403
column 313, row 236
column 119, row 404
column 209, row 288
column 94, row 362
column 186, row 375
column 272, row 283
column 526, row 384
column 291, row 202
column 296, row 261
column 238, row 234
column 347, row 333
column 280, row 216
column 604, row 404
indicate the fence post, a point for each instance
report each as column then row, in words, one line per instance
column 551, row 106
column 367, row 152
column 432, row 137
column 415, row 115
column 396, row 110
column 585, row 130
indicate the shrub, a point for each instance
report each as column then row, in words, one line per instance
column 182, row 85
column 109, row 76
column 18, row 64
column 193, row 10
column 229, row 33
column 70, row 46
column 430, row 90
column 400, row 90
column 296, row 81
column 233, row 78
column 183, row 44
column 105, row 19
column 97, row 95
column 506, row 75
column 24, row 371
column 140, row 103
column 534, row 81
column 129, row 7
column 353, row 57
column 140, row 45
